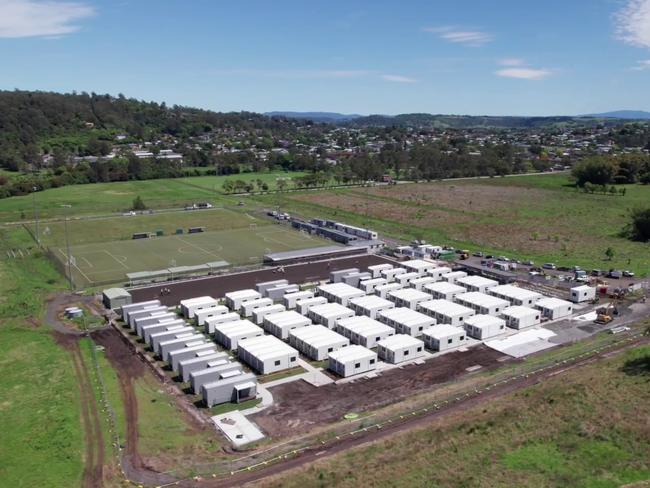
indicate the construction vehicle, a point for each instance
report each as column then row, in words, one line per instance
column 606, row 314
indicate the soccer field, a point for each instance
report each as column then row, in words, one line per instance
column 103, row 262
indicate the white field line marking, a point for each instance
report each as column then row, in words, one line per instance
column 199, row 248
column 117, row 260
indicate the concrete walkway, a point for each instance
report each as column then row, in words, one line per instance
column 267, row 401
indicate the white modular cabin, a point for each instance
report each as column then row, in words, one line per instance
column 554, row 308
column 212, row 322
column 442, row 290
column 419, row 266
column 165, row 347
column 454, row 276
column 247, row 308
column 337, row 276
column 391, row 274
column 289, row 300
column 406, row 321
column 178, row 355
column 280, row 324
column 305, row 304
column 260, row 313
column 156, row 318
column 477, row 283
column 443, row 337
column 446, row 312
column 484, row 327
column 267, row 354
column 190, row 306
column 165, row 335
column 516, row 295
column 263, row 287
column 212, row 372
column 376, row 269
column 317, row 341
column 339, row 293
column 148, row 330
column 234, row 299
column 233, row 388
column 364, row 331
column 519, row 317
column 353, row 279
column 202, row 315
column 583, row 293
column 382, row 291
column 277, row 293
column 405, row 279
column 132, row 307
column 329, row 314
column 399, row 348
column 229, row 334
column 368, row 286
column 352, row 360
column 370, row 305
column 408, row 297
column 145, row 312
column 419, row 283
column 201, row 361
column 482, row 303
column 437, row 273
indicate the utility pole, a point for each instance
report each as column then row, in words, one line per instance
column 38, row 237
column 67, row 246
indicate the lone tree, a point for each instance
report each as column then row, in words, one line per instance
column 138, row 204
column 639, row 226
column 609, row 252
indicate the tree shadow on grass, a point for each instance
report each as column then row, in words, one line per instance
column 638, row 366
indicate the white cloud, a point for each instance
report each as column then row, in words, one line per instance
column 524, row 73
column 512, row 62
column 642, row 65
column 633, row 23
column 398, row 78
column 472, row 38
column 33, row 18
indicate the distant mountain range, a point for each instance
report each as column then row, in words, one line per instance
column 624, row 114
column 331, row 117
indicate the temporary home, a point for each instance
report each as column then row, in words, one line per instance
column 235, row 388
column 337, row 276
column 368, row 286
column 477, row 283
column 267, row 354
column 446, row 312
column 406, row 321
column 364, row 331
column 177, row 355
column 399, row 348
column 115, row 298
column 132, row 307
column 260, row 313
column 376, row 269
column 382, row 291
column 145, row 312
column 339, row 292
column 454, row 276
column 408, row 297
column 328, row 314
column 262, row 287
column 419, row 266
column 247, row 308
column 317, row 341
column 353, row 279
column 277, row 293
column 419, row 283
column 518, row 317
column 482, row 303
column 281, row 323
column 166, row 335
column 234, row 299
column 190, row 306
column 582, row 293
column 443, row 337
column 202, row 315
column 212, row 322
column 437, row 273
column 515, row 295
column 229, row 334
column 155, row 318
column 305, row 304
column 289, row 300
column 147, row 331
column 370, row 305
column 405, row 279
column 554, row 308
column 483, row 327
column 390, row 274
column 212, row 372
column 165, row 347
column 352, row 360
column 201, row 361
column 442, row 290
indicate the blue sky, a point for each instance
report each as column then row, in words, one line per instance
column 505, row 57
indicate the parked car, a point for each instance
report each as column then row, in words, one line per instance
column 478, row 254
column 628, row 274
column 564, row 268
column 616, row 274
column 549, row 266
column 489, row 256
column 596, row 272
column 528, row 263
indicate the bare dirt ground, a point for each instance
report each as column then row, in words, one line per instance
column 299, row 406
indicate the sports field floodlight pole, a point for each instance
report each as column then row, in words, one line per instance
column 38, row 237
column 67, row 245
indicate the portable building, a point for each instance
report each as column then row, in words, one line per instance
column 418, row 283
column 177, row 355
column 155, row 318
column 165, row 335
column 289, row 300
column 352, row 360
column 419, row 266
column 477, row 283
column 554, row 308
column 201, row 361
column 263, row 287
column 145, row 312
column 376, row 269
column 234, row 388
column 212, row 322
column 260, row 313
column 148, row 330
column 399, row 348
column 441, row 290
column 483, row 327
column 482, row 303
column 202, row 315
column 406, row 321
column 382, row 291
column 443, row 337
column 368, row 286
column 446, row 312
column 390, row 274
column 234, row 299
column 520, row 317
column 229, row 334
column 353, row 279
column 363, row 330
column 329, row 314
column 277, row 293
column 370, row 305
column 281, row 323
column 339, row 292
column 408, row 297
column 247, row 308
column 115, row 298
column 190, row 306
column 405, row 279
column 453, row 276
column 516, row 295
column 583, row 293
column 212, row 372
column 165, row 347
column 267, row 354
column 438, row 272
column 132, row 307
column 317, row 341
column 337, row 276
column 305, row 304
